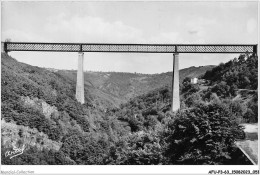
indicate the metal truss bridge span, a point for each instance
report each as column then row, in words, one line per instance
column 131, row 48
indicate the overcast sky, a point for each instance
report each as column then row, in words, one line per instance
column 128, row 22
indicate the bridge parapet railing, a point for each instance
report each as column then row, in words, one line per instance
column 138, row 48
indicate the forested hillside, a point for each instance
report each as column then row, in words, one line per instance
column 237, row 80
column 39, row 110
column 239, row 73
column 43, row 112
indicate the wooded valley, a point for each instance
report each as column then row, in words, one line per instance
column 126, row 118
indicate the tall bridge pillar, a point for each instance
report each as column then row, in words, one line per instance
column 175, row 84
column 80, row 79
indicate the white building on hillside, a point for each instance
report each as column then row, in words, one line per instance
column 194, row 80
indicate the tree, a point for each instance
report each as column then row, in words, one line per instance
column 204, row 134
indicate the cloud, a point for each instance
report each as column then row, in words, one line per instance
column 251, row 25
column 91, row 29
column 64, row 28
column 166, row 38
column 234, row 4
column 94, row 29
column 199, row 26
column 22, row 36
column 193, row 32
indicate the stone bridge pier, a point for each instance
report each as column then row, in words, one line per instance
column 80, row 79
column 175, row 84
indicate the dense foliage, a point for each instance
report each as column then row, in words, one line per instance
column 237, row 81
column 241, row 73
column 21, row 80
column 203, row 134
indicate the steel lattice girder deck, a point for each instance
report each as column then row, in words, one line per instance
column 135, row 48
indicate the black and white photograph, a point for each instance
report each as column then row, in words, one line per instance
column 129, row 83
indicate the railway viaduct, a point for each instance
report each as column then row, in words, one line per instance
column 174, row 49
